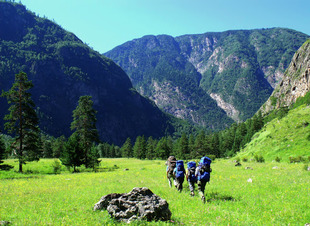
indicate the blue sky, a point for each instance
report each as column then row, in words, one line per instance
column 105, row 24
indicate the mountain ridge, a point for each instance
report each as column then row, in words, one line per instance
column 63, row 68
column 237, row 69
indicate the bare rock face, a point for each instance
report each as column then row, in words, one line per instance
column 295, row 83
column 140, row 203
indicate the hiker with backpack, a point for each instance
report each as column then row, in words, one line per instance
column 179, row 173
column 191, row 177
column 203, row 175
column 171, row 164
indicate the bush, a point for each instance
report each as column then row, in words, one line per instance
column 278, row 159
column 259, row 158
column 296, row 159
column 56, row 166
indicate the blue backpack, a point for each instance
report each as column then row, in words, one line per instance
column 204, row 169
column 179, row 169
column 191, row 167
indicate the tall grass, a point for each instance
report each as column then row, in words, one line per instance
column 278, row 196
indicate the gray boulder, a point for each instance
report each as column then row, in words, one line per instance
column 140, row 203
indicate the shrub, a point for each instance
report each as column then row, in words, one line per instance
column 278, row 159
column 259, row 158
column 56, row 166
column 296, row 159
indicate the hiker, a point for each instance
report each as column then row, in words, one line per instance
column 179, row 172
column 191, row 177
column 203, row 175
column 171, row 163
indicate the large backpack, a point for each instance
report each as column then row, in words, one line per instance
column 204, row 169
column 179, row 169
column 191, row 167
column 171, row 162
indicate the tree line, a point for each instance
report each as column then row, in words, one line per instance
column 83, row 147
column 225, row 143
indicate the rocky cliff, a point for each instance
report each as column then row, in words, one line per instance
column 295, row 83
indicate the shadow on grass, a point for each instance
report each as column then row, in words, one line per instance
column 215, row 196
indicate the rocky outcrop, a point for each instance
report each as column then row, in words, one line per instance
column 228, row 108
column 295, row 82
column 140, row 203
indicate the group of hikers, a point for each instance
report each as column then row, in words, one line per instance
column 194, row 174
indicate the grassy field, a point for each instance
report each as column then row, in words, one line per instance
column 278, row 196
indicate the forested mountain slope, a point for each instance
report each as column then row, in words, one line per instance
column 62, row 68
column 237, row 69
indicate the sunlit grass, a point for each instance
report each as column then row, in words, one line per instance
column 278, row 196
column 286, row 137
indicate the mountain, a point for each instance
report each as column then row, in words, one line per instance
column 288, row 134
column 63, row 68
column 295, row 83
column 209, row 77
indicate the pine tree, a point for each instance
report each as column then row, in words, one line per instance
column 126, row 149
column 2, row 149
column 163, row 148
column 191, row 145
column 183, row 150
column 58, row 146
column 150, row 148
column 22, row 121
column 84, row 125
column 139, row 148
column 200, row 149
column 73, row 153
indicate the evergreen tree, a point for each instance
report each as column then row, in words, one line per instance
column 139, row 149
column 150, row 148
column 215, row 145
column 2, row 149
column 200, row 148
column 182, row 149
column 47, row 150
column 163, row 148
column 239, row 137
column 73, row 153
column 191, row 145
column 58, row 146
column 126, row 149
column 22, row 121
column 84, row 125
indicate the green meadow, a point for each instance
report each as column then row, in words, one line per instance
column 283, row 138
column 279, row 193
